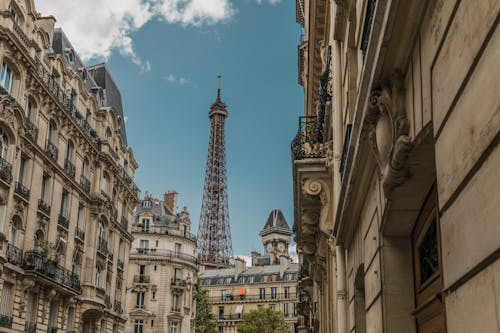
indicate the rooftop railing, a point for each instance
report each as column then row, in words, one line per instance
column 255, row 297
column 165, row 253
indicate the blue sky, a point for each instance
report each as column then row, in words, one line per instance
column 166, row 70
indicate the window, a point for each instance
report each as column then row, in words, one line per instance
column 223, row 294
column 287, row 292
column 138, row 326
column 31, row 307
column 146, row 204
column 124, row 209
column 175, row 303
column 177, row 273
column 52, row 133
column 177, row 249
column 152, row 323
column 64, row 203
column 153, row 295
column 155, row 268
column 273, row 292
column 174, row 327
column 80, row 217
column 142, row 269
column 145, row 225
column 156, row 243
column 98, row 276
column 221, row 312
column 139, row 302
column 286, row 309
column 23, row 166
column 144, row 244
column 69, row 151
column 30, row 109
column 6, row 77
column 4, row 144
column 262, row 293
column 7, row 300
column 53, row 312
column 45, row 187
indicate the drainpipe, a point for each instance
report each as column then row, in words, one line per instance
column 341, row 291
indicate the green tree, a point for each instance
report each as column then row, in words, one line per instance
column 263, row 320
column 204, row 320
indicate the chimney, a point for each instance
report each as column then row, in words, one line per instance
column 240, row 266
column 170, row 200
column 47, row 23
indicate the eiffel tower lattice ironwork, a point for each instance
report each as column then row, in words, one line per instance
column 215, row 248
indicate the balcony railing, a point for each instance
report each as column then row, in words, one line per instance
column 5, row 321
column 308, row 142
column 29, row 327
column 65, row 101
column 256, row 297
column 43, row 207
column 165, row 253
column 85, row 183
column 178, row 282
column 229, row 317
column 141, row 279
column 118, row 307
column 38, row 264
column 104, row 196
column 79, row 233
column 170, row 229
column 63, row 221
column 5, row 171
column 124, row 222
column 51, row 150
column 102, row 246
column 107, row 302
column 69, row 168
column 14, row 254
column 31, row 130
column 23, row 191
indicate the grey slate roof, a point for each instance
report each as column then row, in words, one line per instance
column 161, row 213
column 276, row 222
column 255, row 270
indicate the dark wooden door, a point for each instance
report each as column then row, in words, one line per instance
column 429, row 297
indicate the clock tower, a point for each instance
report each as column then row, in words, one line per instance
column 276, row 236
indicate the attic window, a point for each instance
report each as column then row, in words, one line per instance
column 70, row 55
column 146, row 204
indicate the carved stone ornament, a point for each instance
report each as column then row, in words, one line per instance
column 388, row 129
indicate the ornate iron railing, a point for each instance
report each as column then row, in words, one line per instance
column 43, row 207
column 229, row 317
column 79, row 233
column 124, row 222
column 22, row 190
column 5, row 321
column 31, row 130
column 118, row 307
column 178, row 282
column 36, row 263
column 29, row 327
column 51, row 150
column 85, row 183
column 14, row 254
column 142, row 278
column 63, row 221
column 5, row 171
column 69, row 168
column 307, row 143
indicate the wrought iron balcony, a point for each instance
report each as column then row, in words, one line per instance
column 14, row 254
column 118, row 307
column 5, row 321
column 102, row 246
column 176, row 282
column 229, row 317
column 120, row 264
column 5, row 171
column 23, row 191
column 107, row 302
column 85, row 183
column 165, row 253
column 308, row 142
column 51, row 150
column 104, row 196
column 79, row 233
column 69, row 168
column 31, row 130
column 141, row 279
column 124, row 222
column 29, row 327
column 63, row 221
column 36, row 263
column 43, row 207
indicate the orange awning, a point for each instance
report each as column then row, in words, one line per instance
column 242, row 291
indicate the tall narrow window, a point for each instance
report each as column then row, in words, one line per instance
column 6, row 77
column 70, row 326
column 53, row 311
column 45, row 187
column 142, row 270
column 273, row 292
column 262, row 293
column 174, row 327
column 7, row 300
column 81, row 218
column 145, row 225
column 138, row 326
column 23, row 165
column 30, row 109
column 69, row 151
column 4, row 144
column 64, row 203
column 287, row 292
column 177, row 249
column 31, row 308
column 139, row 302
column 175, row 303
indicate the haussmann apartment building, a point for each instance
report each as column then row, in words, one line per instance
column 66, row 183
column 396, row 166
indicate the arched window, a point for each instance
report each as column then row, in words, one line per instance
column 30, row 109
column 4, row 144
column 52, row 133
column 39, row 238
column 15, row 14
column 9, row 77
column 102, row 229
column 69, row 151
column 15, row 231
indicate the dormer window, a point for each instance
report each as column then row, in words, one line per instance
column 70, row 56
column 146, row 204
column 14, row 15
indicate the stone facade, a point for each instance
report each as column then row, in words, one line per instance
column 271, row 281
column 66, row 183
column 396, row 187
column 162, row 270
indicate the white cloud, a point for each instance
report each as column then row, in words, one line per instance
column 248, row 259
column 173, row 79
column 271, row 2
column 97, row 27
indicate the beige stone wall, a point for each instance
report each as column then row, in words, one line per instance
column 21, row 45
